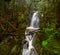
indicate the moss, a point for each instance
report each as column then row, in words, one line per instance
column 4, row 50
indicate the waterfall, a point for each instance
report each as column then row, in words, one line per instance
column 34, row 20
column 28, row 48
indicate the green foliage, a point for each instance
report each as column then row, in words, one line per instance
column 44, row 43
column 49, row 32
column 50, row 44
column 15, row 13
column 58, row 32
column 21, row 17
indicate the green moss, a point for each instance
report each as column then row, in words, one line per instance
column 4, row 49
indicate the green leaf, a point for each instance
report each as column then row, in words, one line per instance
column 44, row 43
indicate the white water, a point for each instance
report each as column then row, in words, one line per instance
column 28, row 48
column 34, row 25
column 35, row 20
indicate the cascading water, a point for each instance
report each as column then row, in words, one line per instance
column 28, row 48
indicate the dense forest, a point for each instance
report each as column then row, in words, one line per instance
column 15, row 15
